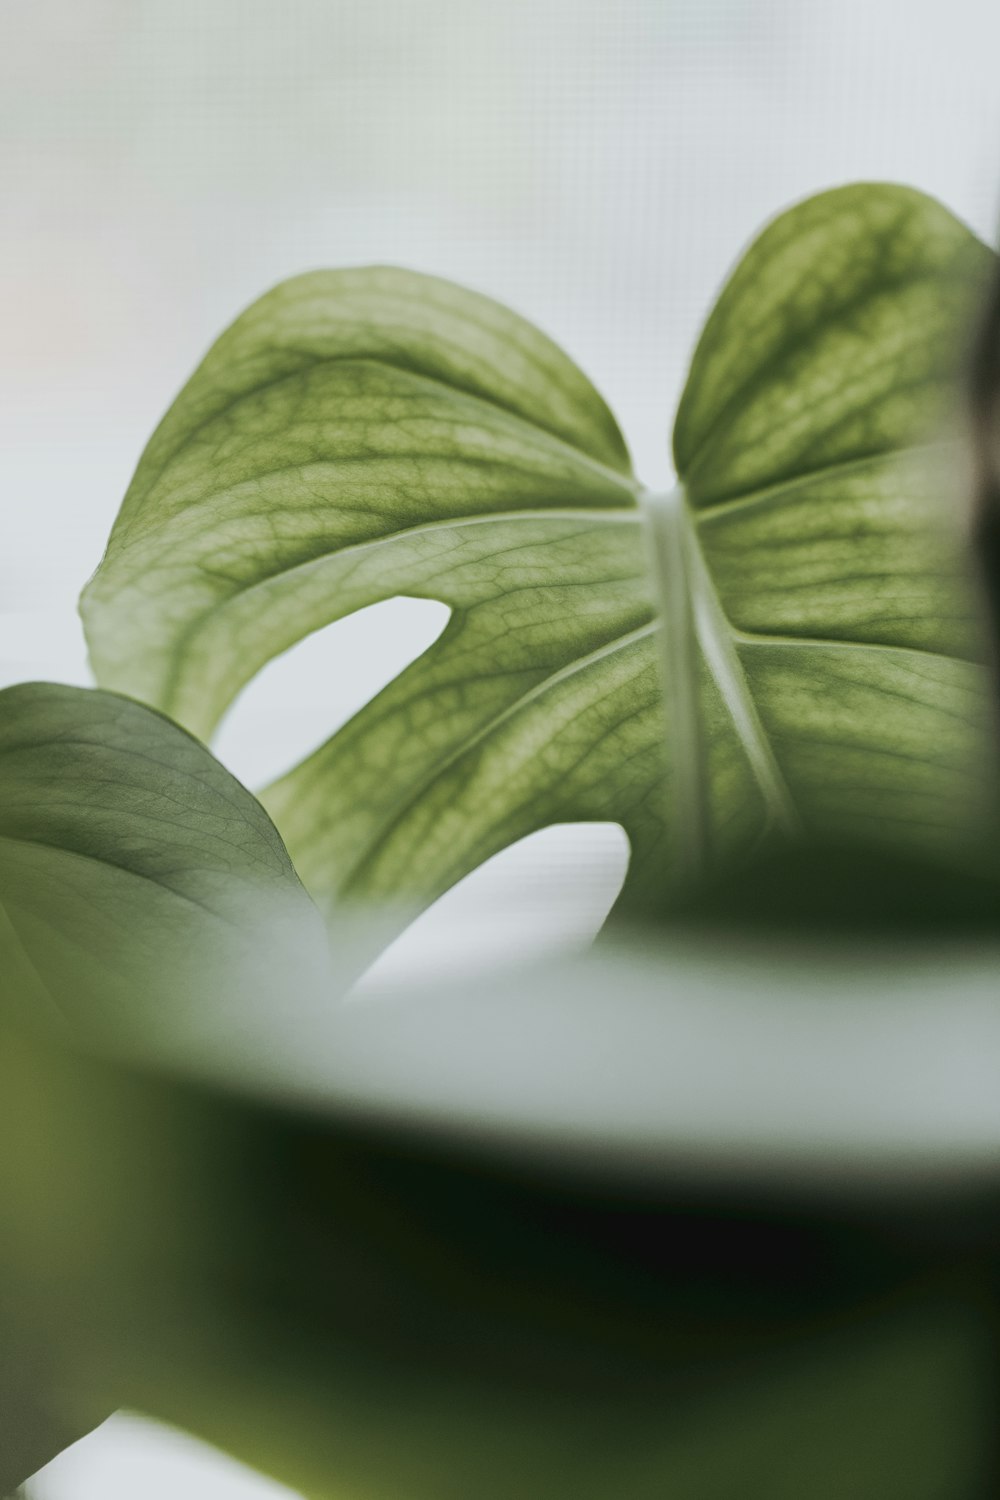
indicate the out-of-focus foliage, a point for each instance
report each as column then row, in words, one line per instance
column 361, row 434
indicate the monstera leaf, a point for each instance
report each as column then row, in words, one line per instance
column 783, row 645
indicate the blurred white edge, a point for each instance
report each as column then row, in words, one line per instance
column 819, row 1066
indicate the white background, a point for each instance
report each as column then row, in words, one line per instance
column 597, row 166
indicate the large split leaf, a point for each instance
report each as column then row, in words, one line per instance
column 795, row 652
column 140, row 884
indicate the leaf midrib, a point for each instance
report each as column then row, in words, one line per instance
column 677, row 564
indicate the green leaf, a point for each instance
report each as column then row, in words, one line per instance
column 785, row 645
column 141, row 886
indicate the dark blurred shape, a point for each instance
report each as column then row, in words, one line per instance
column 851, row 891
column 357, row 1313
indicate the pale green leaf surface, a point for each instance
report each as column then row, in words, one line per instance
column 140, row 884
column 357, row 436
column 833, row 329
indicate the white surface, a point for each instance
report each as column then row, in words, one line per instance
column 749, row 1063
column 131, row 1456
column 860, row 1063
column 597, row 166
